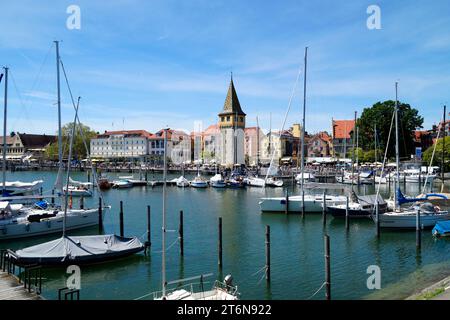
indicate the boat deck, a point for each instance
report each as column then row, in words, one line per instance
column 11, row 289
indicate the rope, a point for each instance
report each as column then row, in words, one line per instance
column 258, row 271
column 263, row 276
column 171, row 245
column 318, row 290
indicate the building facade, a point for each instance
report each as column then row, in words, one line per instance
column 178, row 146
column 342, row 141
column 319, row 145
column 22, row 146
column 254, row 138
column 121, row 144
column 280, row 145
column 232, row 125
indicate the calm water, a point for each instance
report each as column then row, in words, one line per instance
column 296, row 246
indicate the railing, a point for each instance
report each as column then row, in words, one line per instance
column 68, row 292
column 29, row 275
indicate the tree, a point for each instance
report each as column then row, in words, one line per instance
column 79, row 150
column 437, row 160
column 380, row 114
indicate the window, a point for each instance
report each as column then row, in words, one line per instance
column 242, row 119
column 228, row 118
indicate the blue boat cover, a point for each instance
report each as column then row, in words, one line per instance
column 402, row 199
column 441, row 228
column 41, row 204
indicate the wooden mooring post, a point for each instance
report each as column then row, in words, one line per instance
column 324, row 209
column 347, row 224
column 377, row 213
column 100, row 216
column 220, row 243
column 149, row 230
column 268, row 253
column 303, row 203
column 53, row 196
column 81, row 202
column 121, row 218
column 418, row 231
column 286, row 208
column 327, row 268
column 181, row 234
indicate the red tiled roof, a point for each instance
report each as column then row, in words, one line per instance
column 127, row 132
column 342, row 128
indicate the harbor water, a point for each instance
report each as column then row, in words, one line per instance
column 297, row 250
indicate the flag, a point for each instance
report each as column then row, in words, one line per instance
column 1, row 77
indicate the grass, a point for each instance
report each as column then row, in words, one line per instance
column 431, row 294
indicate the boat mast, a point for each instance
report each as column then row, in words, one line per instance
column 443, row 151
column 72, row 135
column 397, row 155
column 58, row 86
column 164, row 218
column 302, row 164
column 353, row 146
column 4, row 131
column 257, row 145
column 375, row 142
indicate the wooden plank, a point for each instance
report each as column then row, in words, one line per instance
column 10, row 289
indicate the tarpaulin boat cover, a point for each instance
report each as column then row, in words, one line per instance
column 79, row 249
column 442, row 228
column 371, row 199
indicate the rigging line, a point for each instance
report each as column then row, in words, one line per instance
column 95, row 178
column 384, row 159
column 265, row 274
column 259, row 271
column 285, row 118
column 318, row 290
column 432, row 158
column 21, row 102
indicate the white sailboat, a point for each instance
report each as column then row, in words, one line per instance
column 35, row 221
column 406, row 218
column 13, row 188
column 217, row 181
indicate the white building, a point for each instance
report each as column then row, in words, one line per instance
column 120, row 144
column 232, row 125
column 178, row 146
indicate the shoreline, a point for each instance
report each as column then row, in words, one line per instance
column 438, row 291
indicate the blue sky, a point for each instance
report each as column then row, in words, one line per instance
column 148, row 64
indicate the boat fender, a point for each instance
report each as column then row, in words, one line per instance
column 437, row 208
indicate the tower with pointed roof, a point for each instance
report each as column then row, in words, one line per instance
column 232, row 125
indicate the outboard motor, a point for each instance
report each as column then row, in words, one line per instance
column 228, row 280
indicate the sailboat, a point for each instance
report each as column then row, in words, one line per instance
column 43, row 218
column 220, row 290
column 406, row 218
column 217, row 181
column 77, row 250
column 13, row 188
column 310, row 203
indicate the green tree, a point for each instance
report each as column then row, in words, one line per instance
column 380, row 114
column 79, row 150
column 437, row 160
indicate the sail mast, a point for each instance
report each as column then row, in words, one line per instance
column 72, row 135
column 58, row 86
column 397, row 155
column 164, row 218
column 303, row 123
column 443, row 151
column 257, row 145
column 4, row 131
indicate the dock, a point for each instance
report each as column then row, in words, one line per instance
column 19, row 282
column 12, row 289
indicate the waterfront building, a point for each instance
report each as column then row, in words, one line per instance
column 281, row 145
column 252, row 134
column 121, row 144
column 319, row 145
column 178, row 146
column 211, row 138
column 22, row 146
column 232, row 125
column 342, row 141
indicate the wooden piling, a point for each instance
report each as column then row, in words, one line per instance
column 377, row 213
column 81, row 202
column 181, row 234
column 303, row 203
column 220, row 243
column 327, row 268
column 347, row 225
column 268, row 253
column 404, row 182
column 100, row 216
column 121, row 218
column 53, row 196
column 149, row 230
column 324, row 209
column 418, row 231
column 286, row 208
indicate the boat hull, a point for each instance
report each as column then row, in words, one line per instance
column 294, row 203
column 409, row 221
column 48, row 226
